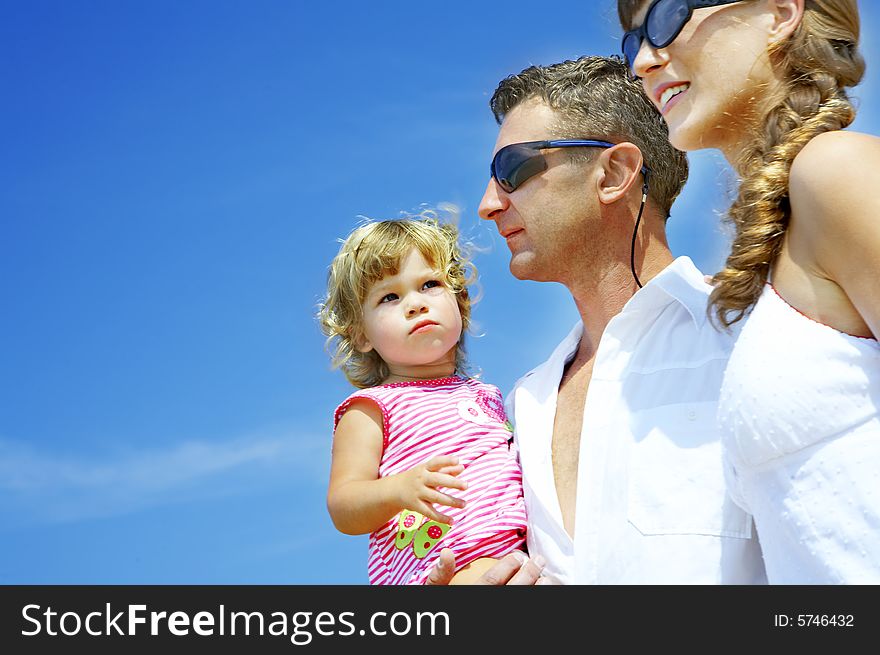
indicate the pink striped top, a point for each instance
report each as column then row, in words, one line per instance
column 446, row 416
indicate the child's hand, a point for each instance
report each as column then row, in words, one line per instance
column 417, row 487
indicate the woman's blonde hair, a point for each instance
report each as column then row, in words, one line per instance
column 369, row 253
column 819, row 61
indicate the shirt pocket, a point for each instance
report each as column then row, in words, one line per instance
column 676, row 478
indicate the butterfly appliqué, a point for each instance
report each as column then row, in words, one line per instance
column 424, row 535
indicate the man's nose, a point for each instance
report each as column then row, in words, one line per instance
column 494, row 201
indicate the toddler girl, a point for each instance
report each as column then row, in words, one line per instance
column 418, row 434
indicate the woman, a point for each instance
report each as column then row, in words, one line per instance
column 765, row 81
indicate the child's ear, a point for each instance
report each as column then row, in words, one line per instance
column 361, row 343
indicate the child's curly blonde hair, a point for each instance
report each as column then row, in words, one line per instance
column 368, row 254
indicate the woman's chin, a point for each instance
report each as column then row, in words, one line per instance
column 686, row 137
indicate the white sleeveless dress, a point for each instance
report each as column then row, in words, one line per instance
column 799, row 413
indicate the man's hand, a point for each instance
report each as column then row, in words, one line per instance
column 416, row 488
column 513, row 569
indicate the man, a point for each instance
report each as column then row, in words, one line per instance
column 616, row 430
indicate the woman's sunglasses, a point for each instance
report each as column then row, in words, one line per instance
column 663, row 22
column 518, row 162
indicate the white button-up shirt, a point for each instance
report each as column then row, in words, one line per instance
column 651, row 501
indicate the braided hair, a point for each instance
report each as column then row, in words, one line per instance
column 820, row 60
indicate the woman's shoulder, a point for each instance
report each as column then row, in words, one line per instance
column 832, row 171
column 838, row 154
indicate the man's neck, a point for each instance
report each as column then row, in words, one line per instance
column 599, row 298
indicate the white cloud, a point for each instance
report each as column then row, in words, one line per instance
column 45, row 486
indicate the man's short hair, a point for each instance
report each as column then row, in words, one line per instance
column 596, row 97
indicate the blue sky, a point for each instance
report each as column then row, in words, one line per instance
column 175, row 176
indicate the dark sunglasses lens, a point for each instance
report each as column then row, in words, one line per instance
column 630, row 46
column 515, row 164
column 665, row 21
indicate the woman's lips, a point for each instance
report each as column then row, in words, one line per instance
column 667, row 94
column 672, row 102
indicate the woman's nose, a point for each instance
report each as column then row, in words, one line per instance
column 649, row 59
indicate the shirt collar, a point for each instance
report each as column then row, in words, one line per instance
column 682, row 282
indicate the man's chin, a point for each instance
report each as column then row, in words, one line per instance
column 524, row 269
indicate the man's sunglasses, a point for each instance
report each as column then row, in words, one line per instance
column 518, row 162
column 663, row 22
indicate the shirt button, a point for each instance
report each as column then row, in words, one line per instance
column 692, row 415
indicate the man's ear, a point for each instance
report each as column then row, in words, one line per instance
column 621, row 169
column 785, row 18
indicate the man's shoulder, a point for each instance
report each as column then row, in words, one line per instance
column 670, row 327
column 680, row 284
column 678, row 333
column 679, row 297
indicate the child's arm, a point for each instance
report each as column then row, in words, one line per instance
column 359, row 500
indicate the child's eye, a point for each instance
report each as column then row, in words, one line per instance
column 430, row 284
column 388, row 297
